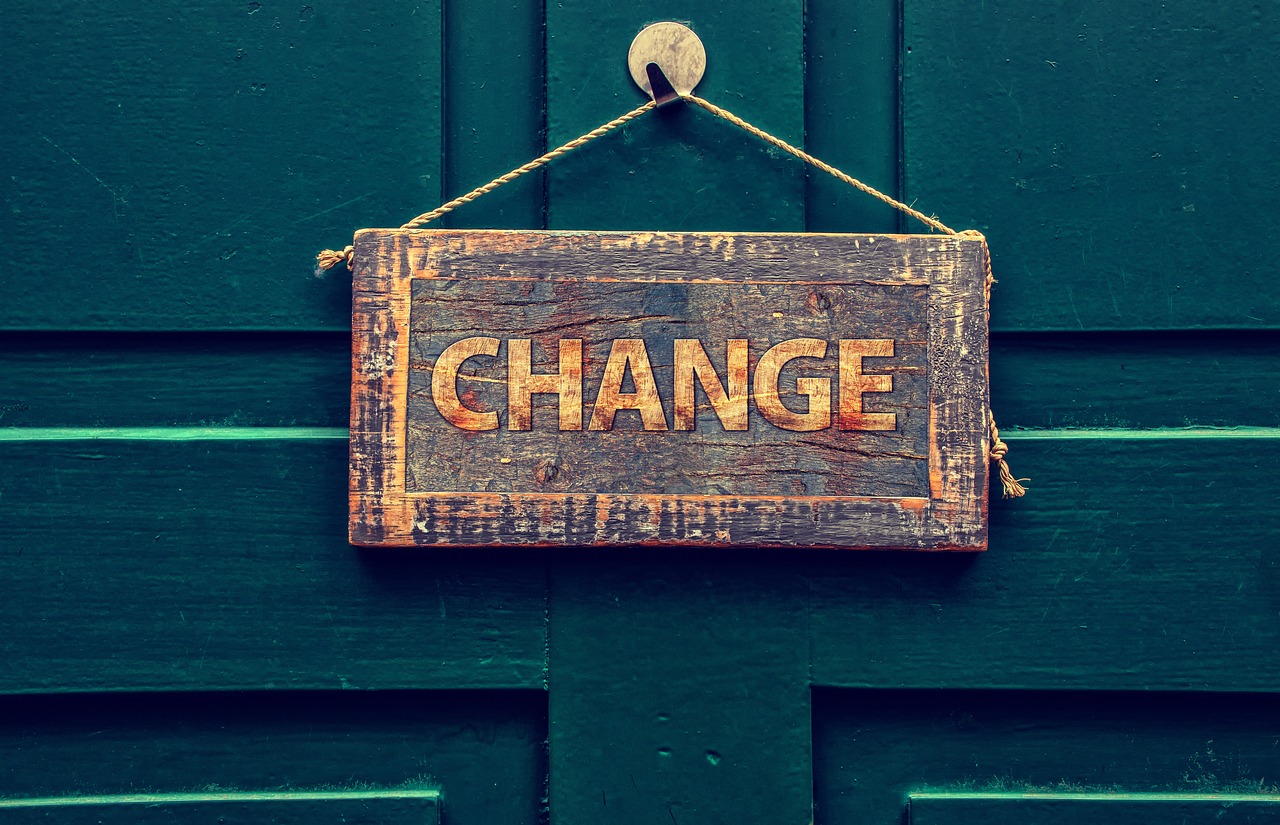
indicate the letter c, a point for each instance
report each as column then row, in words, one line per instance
column 444, row 384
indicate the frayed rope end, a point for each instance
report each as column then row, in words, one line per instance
column 329, row 258
column 1012, row 487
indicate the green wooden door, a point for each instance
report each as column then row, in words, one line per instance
column 187, row 634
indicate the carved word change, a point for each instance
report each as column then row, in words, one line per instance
column 728, row 398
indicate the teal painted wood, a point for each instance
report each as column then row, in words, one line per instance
column 678, row 168
column 852, row 80
column 153, row 601
column 678, row 689
column 177, row 165
column 1115, row 809
column 1110, row 151
column 220, row 379
column 656, row 668
column 1039, row 381
column 154, row 563
column 494, row 111
column 876, row 750
column 1138, row 563
column 1136, row 380
column 390, row 807
column 214, row 564
column 483, row 751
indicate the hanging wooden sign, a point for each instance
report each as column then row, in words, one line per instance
column 573, row 388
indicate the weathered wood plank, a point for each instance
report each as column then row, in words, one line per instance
column 483, row 752
column 199, row 153
column 678, row 168
column 656, row 257
column 1083, row 138
column 216, row 565
column 1129, row 380
column 432, row 464
column 709, row 459
column 1132, row 566
column 1102, row 756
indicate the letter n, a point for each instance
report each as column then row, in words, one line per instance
column 690, row 361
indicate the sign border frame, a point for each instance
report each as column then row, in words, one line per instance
column 952, row 517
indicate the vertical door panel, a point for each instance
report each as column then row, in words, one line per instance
column 494, row 111
column 678, row 168
column 873, row 749
column 1111, row 150
column 177, row 165
column 851, row 102
column 484, row 751
column 678, row 689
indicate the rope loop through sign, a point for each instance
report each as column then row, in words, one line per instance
column 996, row 448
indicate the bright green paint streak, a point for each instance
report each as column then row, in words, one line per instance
column 172, row 433
column 1189, row 432
column 178, row 798
column 1103, row 797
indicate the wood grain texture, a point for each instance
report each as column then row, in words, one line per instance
column 173, row 167
column 764, row 460
column 1097, row 756
column 201, row 152
column 1071, row 565
column 1126, row 571
column 679, row 168
column 640, row 734
column 1109, row 152
column 223, row 565
column 418, row 293
column 1138, row 380
column 483, row 752
column 494, row 111
column 852, row 84
column 124, row 379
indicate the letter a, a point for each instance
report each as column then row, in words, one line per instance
column 628, row 352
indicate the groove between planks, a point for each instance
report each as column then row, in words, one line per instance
column 21, row 434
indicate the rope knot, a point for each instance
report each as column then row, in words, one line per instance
column 1011, row 486
column 329, row 258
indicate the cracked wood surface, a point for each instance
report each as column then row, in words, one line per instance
column 417, row 479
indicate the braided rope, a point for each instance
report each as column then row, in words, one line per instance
column 1012, row 487
column 600, row 131
column 725, row 114
column 329, row 258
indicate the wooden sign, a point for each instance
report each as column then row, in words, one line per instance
column 572, row 388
